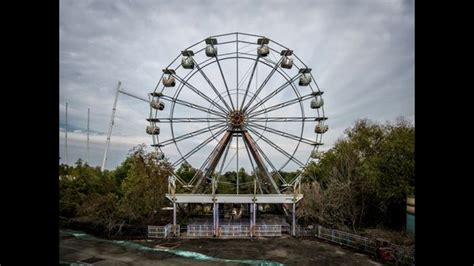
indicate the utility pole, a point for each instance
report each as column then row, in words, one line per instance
column 88, row 118
column 65, row 140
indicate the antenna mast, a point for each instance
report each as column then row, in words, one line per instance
column 65, row 140
column 88, row 118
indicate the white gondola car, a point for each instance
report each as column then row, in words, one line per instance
column 316, row 154
column 317, row 103
column 320, row 128
column 305, row 79
column 155, row 104
column 169, row 81
column 211, row 51
column 287, row 62
column 263, row 50
column 187, row 62
column 153, row 130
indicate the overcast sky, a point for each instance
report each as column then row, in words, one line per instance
column 361, row 54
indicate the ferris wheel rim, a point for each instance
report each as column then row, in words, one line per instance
column 237, row 53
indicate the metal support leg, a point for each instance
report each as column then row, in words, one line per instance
column 254, row 215
column 214, row 219
column 174, row 218
column 251, row 219
column 293, row 230
column 217, row 219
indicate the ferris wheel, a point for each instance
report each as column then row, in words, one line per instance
column 237, row 100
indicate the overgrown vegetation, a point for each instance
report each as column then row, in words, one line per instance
column 362, row 182
column 131, row 195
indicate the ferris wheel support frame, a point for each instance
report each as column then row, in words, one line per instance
column 221, row 112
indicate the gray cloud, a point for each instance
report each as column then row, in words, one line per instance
column 361, row 53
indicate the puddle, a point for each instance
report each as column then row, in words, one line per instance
column 178, row 252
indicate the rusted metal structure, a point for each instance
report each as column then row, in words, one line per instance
column 236, row 114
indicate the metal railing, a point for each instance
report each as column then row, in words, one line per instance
column 200, row 231
column 347, row 239
column 267, row 230
column 162, row 231
column 401, row 254
column 234, row 231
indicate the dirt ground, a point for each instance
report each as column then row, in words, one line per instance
column 285, row 250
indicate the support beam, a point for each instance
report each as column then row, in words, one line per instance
column 134, row 96
column 174, row 218
column 216, row 155
column 251, row 219
column 254, row 218
column 237, row 161
column 234, row 198
column 215, row 215
column 260, row 164
column 293, row 224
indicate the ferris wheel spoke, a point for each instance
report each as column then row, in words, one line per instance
column 225, row 82
column 283, row 134
column 191, row 120
column 276, row 147
column 192, row 105
column 281, row 105
column 190, row 135
column 197, row 148
column 285, row 119
column 250, row 82
column 275, row 92
column 244, row 77
column 212, row 85
column 198, row 92
column 274, row 69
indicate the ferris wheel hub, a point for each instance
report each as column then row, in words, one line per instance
column 237, row 119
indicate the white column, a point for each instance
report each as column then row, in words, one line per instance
column 293, row 233
column 251, row 219
column 254, row 214
column 217, row 219
column 174, row 218
column 214, row 218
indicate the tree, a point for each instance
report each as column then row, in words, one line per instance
column 186, row 171
column 364, row 179
column 144, row 188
